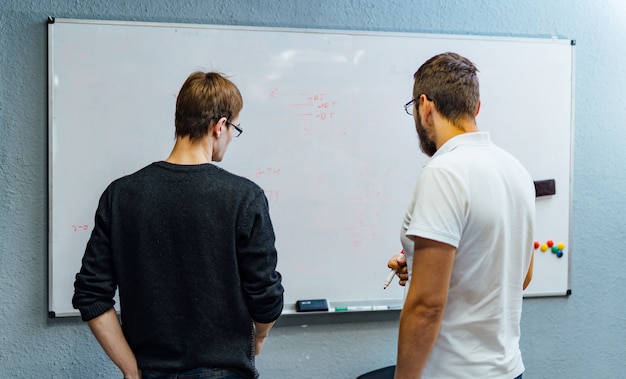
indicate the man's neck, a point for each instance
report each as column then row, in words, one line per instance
column 445, row 130
column 186, row 152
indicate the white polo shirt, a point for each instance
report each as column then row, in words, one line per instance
column 480, row 199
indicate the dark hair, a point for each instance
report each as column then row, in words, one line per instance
column 203, row 99
column 451, row 82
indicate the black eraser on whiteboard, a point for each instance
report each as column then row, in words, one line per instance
column 545, row 187
column 319, row 305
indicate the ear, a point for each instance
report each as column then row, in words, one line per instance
column 219, row 126
column 478, row 108
column 426, row 106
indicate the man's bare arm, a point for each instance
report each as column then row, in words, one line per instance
column 529, row 274
column 108, row 331
column 261, row 331
column 424, row 306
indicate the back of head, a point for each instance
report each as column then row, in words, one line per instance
column 203, row 99
column 451, row 82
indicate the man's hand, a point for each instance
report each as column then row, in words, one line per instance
column 399, row 262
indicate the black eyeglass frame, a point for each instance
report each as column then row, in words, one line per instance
column 410, row 104
column 407, row 105
column 237, row 128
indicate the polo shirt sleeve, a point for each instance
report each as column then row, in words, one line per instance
column 439, row 208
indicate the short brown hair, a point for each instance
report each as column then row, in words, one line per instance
column 451, row 82
column 203, row 99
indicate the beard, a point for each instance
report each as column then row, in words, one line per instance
column 427, row 145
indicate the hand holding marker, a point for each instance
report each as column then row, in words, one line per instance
column 391, row 274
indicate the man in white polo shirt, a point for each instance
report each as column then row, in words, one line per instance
column 468, row 237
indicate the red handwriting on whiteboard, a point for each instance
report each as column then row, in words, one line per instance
column 77, row 228
column 273, row 196
column 268, row 172
column 362, row 231
column 368, row 203
column 318, row 105
column 324, row 106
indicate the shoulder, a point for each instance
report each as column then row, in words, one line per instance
column 237, row 182
column 129, row 179
column 242, row 190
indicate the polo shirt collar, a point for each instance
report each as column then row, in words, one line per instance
column 472, row 138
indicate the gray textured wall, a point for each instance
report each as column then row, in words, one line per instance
column 577, row 337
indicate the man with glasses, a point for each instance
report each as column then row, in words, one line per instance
column 190, row 247
column 468, row 237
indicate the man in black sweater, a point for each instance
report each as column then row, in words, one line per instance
column 190, row 248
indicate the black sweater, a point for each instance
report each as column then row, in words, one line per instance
column 191, row 250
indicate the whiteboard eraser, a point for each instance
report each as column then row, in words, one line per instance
column 545, row 187
column 319, row 305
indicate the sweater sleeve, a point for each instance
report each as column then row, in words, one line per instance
column 94, row 287
column 257, row 259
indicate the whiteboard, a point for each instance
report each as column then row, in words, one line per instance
column 325, row 136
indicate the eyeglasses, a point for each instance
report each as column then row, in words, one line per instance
column 237, row 128
column 408, row 107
